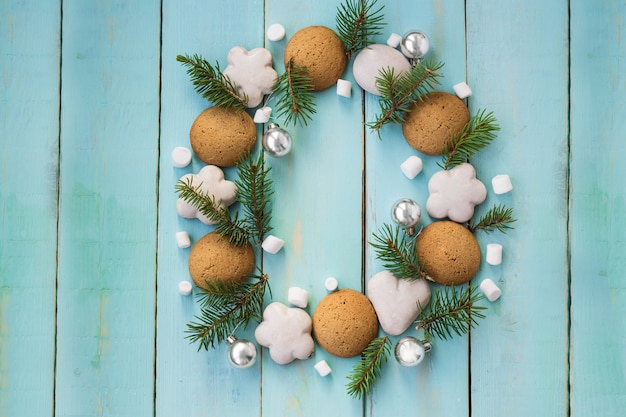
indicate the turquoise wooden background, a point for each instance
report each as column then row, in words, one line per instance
column 92, row 102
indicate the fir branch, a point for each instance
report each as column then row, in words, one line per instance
column 228, row 227
column 296, row 100
column 211, row 84
column 397, row 253
column 224, row 307
column 254, row 189
column 450, row 313
column 497, row 218
column 369, row 367
column 477, row 133
column 357, row 22
column 400, row 92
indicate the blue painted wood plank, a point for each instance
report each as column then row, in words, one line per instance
column 317, row 210
column 439, row 385
column 194, row 383
column 107, row 237
column 597, row 225
column 29, row 134
column 517, row 67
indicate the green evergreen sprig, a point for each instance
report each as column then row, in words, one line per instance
column 227, row 226
column 357, row 23
column 211, row 84
column 477, row 133
column 450, row 312
column 498, row 218
column 224, row 307
column 294, row 89
column 254, row 191
column 397, row 252
column 398, row 93
column 369, row 367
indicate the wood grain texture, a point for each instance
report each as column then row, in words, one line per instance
column 120, row 322
column 438, row 386
column 525, row 333
column 317, row 210
column 29, row 134
column 597, row 222
column 107, row 244
column 194, row 383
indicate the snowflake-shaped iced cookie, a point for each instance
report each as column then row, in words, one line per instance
column 210, row 180
column 252, row 73
column 286, row 332
column 454, row 193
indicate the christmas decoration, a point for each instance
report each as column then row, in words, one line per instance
column 406, row 214
column 415, row 45
column 276, row 141
column 411, row 352
column 448, row 311
column 241, row 353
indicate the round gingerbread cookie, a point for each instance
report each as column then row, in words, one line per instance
column 214, row 258
column 433, row 123
column 448, row 252
column 220, row 136
column 344, row 323
column 321, row 52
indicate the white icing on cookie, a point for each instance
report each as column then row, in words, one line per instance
column 210, row 180
column 454, row 193
column 286, row 332
column 252, row 73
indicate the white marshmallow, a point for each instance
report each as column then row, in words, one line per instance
column 462, row 90
column 182, row 239
column 276, row 32
column 331, row 284
column 322, row 368
column 501, row 184
column 184, row 287
column 272, row 244
column 490, row 289
column 412, row 166
column 181, row 157
column 394, row 40
column 298, row 297
column 262, row 115
column 494, row 254
column 344, row 88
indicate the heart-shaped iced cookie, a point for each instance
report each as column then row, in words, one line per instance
column 397, row 301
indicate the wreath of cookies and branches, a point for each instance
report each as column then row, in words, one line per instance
column 229, row 301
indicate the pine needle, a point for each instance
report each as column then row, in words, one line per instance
column 254, row 189
column 225, row 307
column 369, row 367
column 449, row 313
column 228, row 227
column 397, row 252
column 357, row 23
column 211, row 84
column 497, row 218
column 478, row 132
column 400, row 92
column 296, row 101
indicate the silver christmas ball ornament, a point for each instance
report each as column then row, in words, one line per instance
column 406, row 214
column 241, row 353
column 415, row 45
column 276, row 140
column 410, row 351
